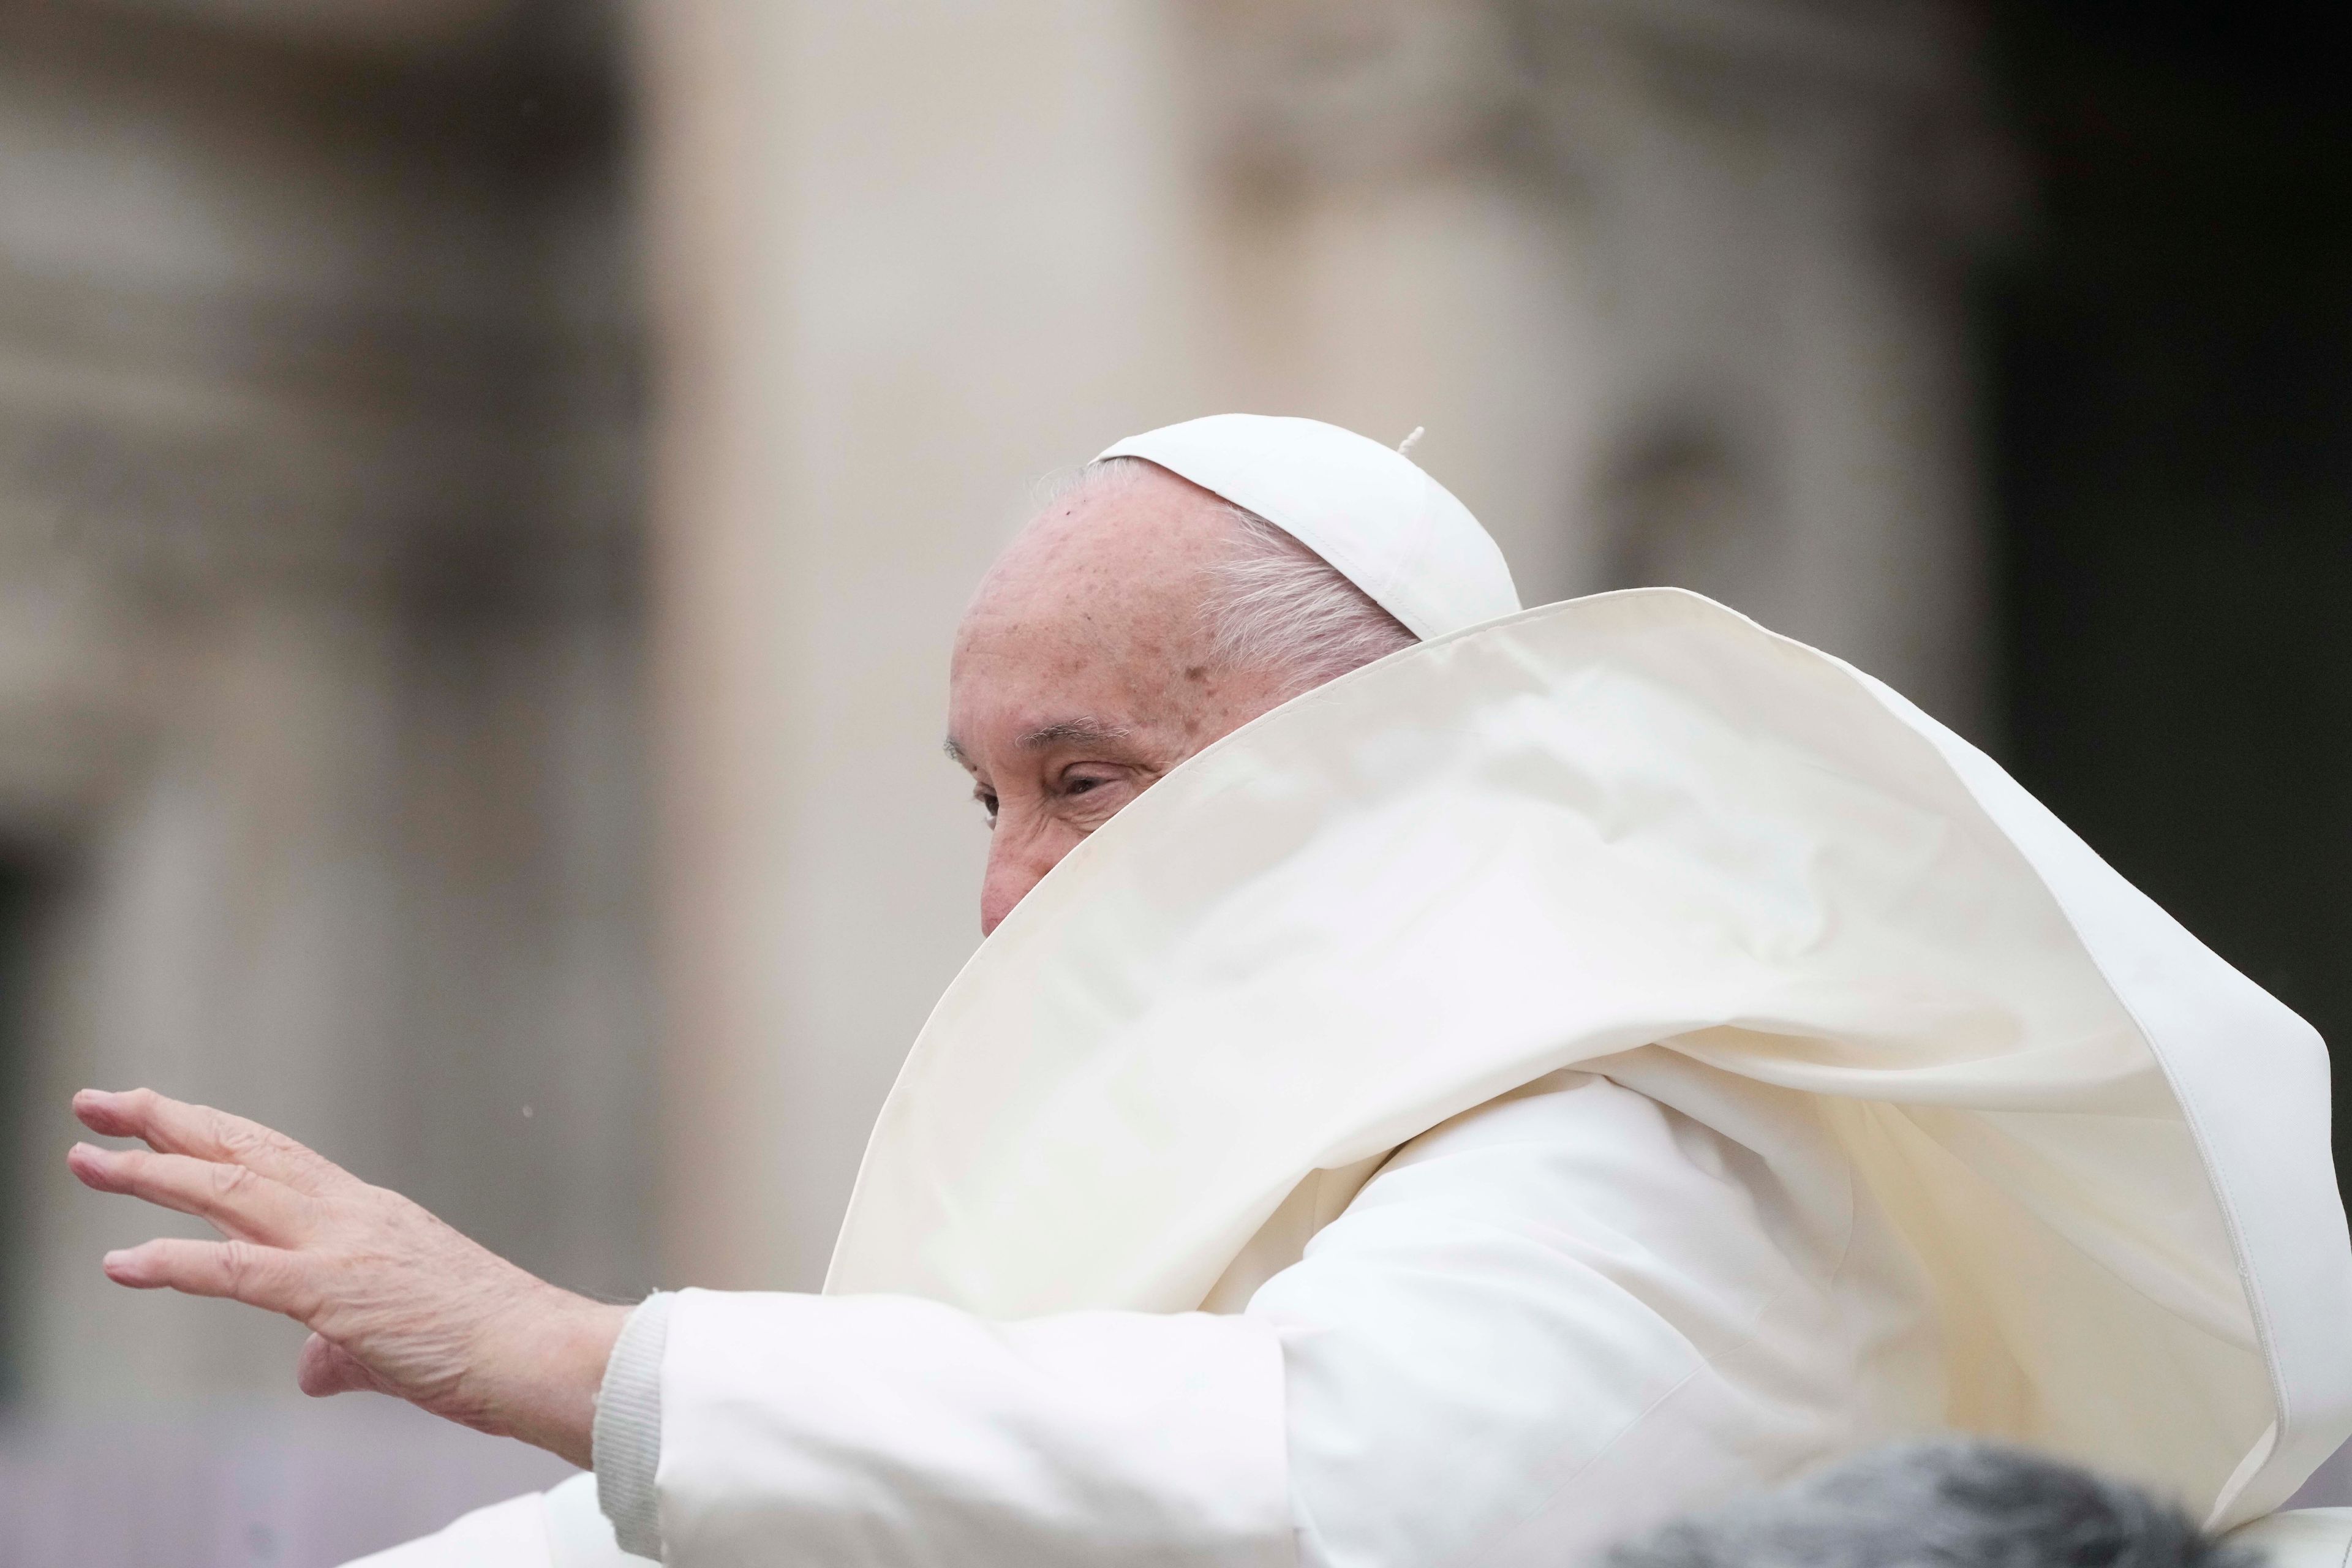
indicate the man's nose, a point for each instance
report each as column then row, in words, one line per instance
column 1015, row 863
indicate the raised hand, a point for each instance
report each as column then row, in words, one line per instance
column 397, row 1301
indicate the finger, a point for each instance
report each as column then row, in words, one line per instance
column 326, row 1368
column 264, row 1277
column 175, row 1127
column 239, row 1201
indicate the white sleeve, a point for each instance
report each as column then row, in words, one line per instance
column 1567, row 1316
column 627, row 1437
column 884, row 1432
column 1540, row 1327
column 559, row 1528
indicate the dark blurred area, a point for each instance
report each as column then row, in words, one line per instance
column 1968, row 1504
column 2170, row 414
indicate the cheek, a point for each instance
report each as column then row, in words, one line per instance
column 1020, row 852
column 1028, row 833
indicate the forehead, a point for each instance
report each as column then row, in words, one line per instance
column 1131, row 544
column 1132, row 512
column 1092, row 614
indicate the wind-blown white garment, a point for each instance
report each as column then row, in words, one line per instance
column 1890, row 1106
column 1639, row 818
column 1470, row 1335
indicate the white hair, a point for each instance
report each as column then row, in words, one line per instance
column 1273, row 603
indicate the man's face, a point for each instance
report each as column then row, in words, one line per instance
column 1084, row 670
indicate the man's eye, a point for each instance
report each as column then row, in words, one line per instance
column 1080, row 787
column 987, row 804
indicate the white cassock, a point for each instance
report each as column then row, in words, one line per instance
column 1584, row 1065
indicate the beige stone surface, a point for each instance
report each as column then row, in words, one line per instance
column 1675, row 288
column 486, row 490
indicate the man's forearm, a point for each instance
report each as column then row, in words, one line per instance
column 544, row 1377
column 846, row 1432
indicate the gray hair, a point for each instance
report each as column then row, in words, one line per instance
column 1272, row 603
column 1949, row 1503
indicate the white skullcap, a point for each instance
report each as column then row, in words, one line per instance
column 1382, row 523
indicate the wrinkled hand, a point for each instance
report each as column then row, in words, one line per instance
column 397, row 1301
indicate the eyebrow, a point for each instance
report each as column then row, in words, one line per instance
column 1073, row 732
column 1060, row 732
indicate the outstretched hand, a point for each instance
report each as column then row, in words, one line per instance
column 397, row 1301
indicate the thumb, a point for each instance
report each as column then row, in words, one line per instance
column 327, row 1368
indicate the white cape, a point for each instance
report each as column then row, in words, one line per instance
column 1633, row 819
column 1896, row 1107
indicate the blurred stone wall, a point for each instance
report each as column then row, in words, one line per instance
column 1676, row 286
column 321, row 640
column 404, row 657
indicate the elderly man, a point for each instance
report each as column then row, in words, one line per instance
column 1581, row 1064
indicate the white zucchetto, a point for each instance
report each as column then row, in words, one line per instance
column 1370, row 511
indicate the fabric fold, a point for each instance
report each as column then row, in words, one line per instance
column 1631, row 820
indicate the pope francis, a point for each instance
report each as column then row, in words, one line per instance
column 1443, row 1084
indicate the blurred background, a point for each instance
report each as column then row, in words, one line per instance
column 485, row 487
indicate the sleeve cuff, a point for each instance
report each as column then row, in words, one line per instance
column 627, row 1436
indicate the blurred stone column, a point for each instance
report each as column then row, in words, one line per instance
column 906, row 257
column 1650, row 275
column 1780, row 201
column 1394, row 252
column 319, row 650
column 1677, row 290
